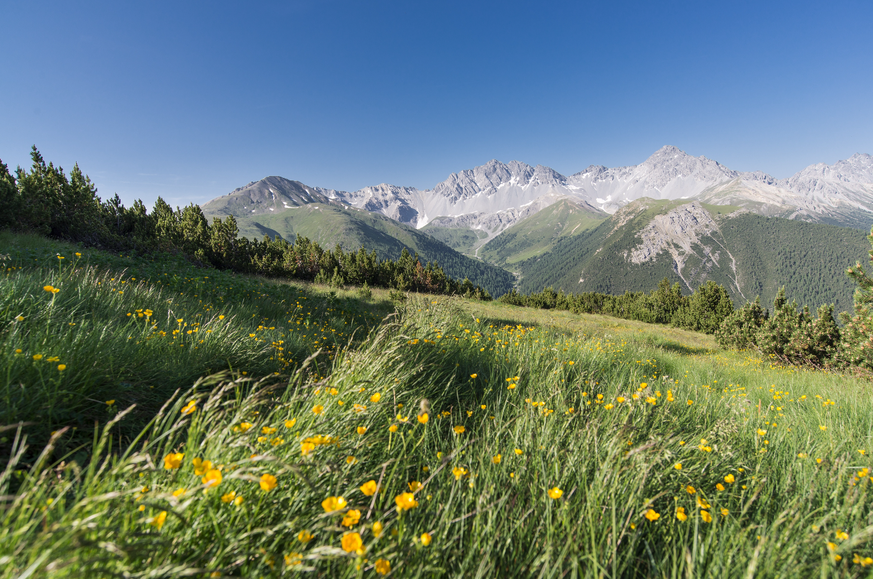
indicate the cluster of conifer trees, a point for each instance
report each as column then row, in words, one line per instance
column 45, row 201
column 702, row 311
column 789, row 334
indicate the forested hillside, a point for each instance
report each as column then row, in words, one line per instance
column 330, row 225
column 809, row 259
column 748, row 254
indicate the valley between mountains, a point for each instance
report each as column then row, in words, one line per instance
column 608, row 230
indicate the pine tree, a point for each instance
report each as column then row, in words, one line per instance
column 8, row 197
column 856, row 347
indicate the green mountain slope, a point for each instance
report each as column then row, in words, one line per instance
column 692, row 243
column 538, row 234
column 462, row 239
column 329, row 225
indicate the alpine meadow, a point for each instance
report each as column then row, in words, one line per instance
column 585, row 382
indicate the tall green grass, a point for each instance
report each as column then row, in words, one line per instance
column 111, row 331
column 620, row 422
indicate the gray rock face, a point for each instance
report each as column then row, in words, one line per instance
column 486, row 190
column 848, row 182
column 681, row 232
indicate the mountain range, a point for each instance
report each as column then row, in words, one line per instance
column 841, row 193
column 516, row 216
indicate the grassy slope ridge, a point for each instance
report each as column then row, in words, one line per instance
column 329, row 225
column 553, row 444
column 538, row 233
column 462, row 239
column 808, row 259
column 133, row 330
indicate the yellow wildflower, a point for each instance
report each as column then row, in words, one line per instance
column 351, row 518
column 383, row 566
column 212, row 478
column 333, row 504
column 405, row 502
column 158, row 520
column 352, row 542
column 173, row 460
column 268, row 482
column 292, row 559
column 201, row 466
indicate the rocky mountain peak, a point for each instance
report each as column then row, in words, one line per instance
column 665, row 154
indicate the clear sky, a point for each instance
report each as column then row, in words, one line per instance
column 189, row 100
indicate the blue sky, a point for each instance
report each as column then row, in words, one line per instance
column 189, row 100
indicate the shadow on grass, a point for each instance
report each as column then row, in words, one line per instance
column 678, row 348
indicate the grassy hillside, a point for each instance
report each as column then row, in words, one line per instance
column 462, row 239
column 539, row 233
column 453, row 439
column 808, row 259
column 330, row 225
column 134, row 330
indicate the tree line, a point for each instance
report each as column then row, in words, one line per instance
column 702, row 311
column 788, row 333
column 46, row 201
